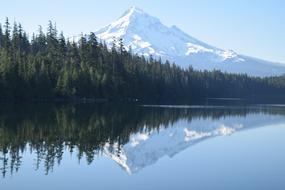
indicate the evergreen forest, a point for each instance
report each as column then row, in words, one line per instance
column 49, row 66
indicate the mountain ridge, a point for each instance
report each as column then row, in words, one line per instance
column 147, row 36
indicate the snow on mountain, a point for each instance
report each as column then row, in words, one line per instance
column 148, row 36
column 147, row 147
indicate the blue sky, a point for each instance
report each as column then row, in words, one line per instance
column 250, row 27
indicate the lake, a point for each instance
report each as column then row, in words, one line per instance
column 103, row 146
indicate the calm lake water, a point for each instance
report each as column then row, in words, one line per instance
column 91, row 146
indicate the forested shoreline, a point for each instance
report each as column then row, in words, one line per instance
column 48, row 66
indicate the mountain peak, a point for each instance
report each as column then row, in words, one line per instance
column 148, row 36
column 137, row 16
column 132, row 21
column 134, row 9
column 132, row 12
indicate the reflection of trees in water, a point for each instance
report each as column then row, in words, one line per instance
column 49, row 131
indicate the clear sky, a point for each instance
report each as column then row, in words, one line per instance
column 250, row 27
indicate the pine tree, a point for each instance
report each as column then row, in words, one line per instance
column 6, row 41
column 1, row 36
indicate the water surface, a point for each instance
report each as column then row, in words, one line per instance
column 98, row 146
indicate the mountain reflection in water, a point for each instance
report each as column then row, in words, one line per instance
column 133, row 136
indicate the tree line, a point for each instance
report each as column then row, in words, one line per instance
column 48, row 65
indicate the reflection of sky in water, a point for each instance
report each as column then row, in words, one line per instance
column 238, row 159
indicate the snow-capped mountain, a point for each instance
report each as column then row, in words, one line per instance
column 148, row 36
column 146, row 148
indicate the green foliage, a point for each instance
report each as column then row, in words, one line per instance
column 51, row 67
